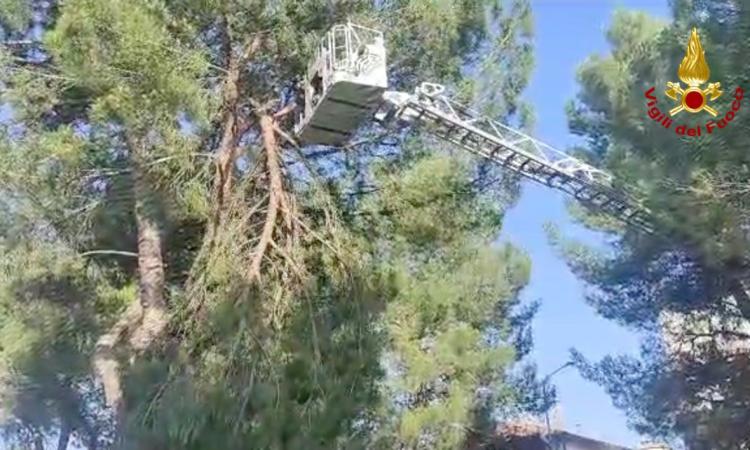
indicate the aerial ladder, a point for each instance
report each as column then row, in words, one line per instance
column 346, row 85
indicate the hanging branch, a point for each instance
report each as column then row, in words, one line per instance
column 276, row 194
column 234, row 126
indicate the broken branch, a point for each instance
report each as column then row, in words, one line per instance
column 275, row 193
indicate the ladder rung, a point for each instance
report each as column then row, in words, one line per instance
column 554, row 175
column 494, row 151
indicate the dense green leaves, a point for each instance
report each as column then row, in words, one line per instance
column 432, row 231
column 111, row 171
column 684, row 287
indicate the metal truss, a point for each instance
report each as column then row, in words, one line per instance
column 513, row 150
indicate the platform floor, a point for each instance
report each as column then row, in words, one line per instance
column 344, row 108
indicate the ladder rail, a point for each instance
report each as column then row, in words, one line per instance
column 514, row 151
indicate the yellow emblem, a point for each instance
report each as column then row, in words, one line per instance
column 694, row 72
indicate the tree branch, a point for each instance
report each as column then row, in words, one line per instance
column 108, row 252
column 285, row 110
column 275, row 192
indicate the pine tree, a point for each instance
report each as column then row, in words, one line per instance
column 431, row 229
column 694, row 268
column 212, row 278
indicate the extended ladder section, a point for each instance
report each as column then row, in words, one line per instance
column 513, row 150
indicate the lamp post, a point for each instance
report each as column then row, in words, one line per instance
column 545, row 383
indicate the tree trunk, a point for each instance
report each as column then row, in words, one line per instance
column 38, row 442
column 233, row 127
column 106, row 365
column 741, row 295
column 227, row 152
column 64, row 439
column 144, row 320
column 150, row 260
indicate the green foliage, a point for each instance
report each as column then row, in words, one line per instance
column 433, row 231
column 117, row 91
column 15, row 13
column 122, row 52
column 693, row 268
column 51, row 308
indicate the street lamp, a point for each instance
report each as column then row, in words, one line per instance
column 545, row 383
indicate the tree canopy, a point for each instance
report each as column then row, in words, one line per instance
column 685, row 287
column 177, row 273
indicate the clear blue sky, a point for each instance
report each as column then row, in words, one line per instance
column 567, row 31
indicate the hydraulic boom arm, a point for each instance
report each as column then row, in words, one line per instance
column 512, row 149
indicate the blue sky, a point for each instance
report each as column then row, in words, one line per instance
column 567, row 31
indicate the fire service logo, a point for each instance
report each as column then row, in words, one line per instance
column 693, row 98
column 694, row 72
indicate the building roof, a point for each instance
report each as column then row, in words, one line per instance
column 556, row 440
column 582, row 442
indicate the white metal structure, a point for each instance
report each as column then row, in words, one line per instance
column 344, row 84
column 347, row 82
column 513, row 150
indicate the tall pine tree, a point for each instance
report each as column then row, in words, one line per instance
column 196, row 281
column 685, row 287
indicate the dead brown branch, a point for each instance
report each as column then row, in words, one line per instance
column 284, row 111
column 234, row 126
column 252, row 47
column 276, row 192
column 285, row 135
